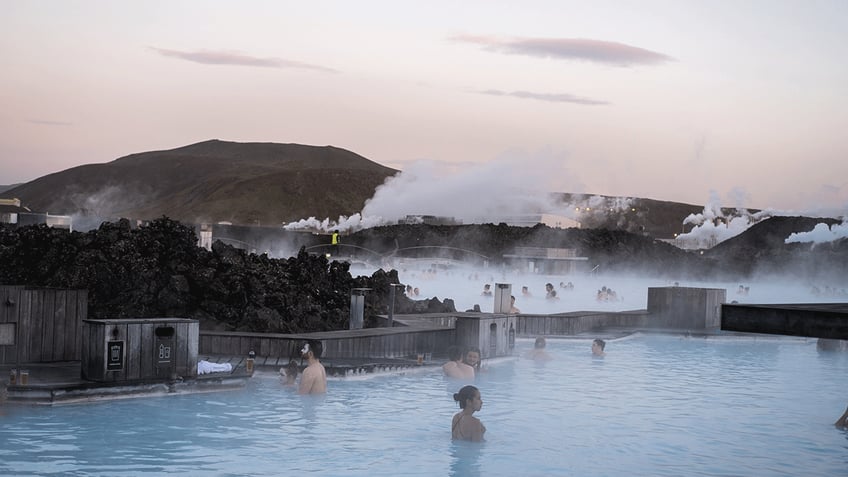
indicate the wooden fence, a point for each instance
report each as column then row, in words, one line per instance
column 273, row 348
column 417, row 334
column 577, row 322
column 40, row 325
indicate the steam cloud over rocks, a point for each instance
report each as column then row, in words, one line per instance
column 505, row 190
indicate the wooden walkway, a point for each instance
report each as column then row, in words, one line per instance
column 61, row 383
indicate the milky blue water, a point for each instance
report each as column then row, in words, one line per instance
column 655, row 405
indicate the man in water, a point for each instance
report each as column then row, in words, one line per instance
column 314, row 378
column 455, row 368
column 512, row 307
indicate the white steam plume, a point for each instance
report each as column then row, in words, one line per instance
column 515, row 185
column 821, row 233
column 713, row 226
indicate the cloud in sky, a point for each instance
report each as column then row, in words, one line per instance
column 608, row 52
column 554, row 98
column 237, row 58
column 46, row 122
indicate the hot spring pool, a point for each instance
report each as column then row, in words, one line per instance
column 655, row 405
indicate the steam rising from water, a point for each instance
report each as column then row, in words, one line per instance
column 464, row 285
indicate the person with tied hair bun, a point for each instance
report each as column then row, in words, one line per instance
column 466, row 427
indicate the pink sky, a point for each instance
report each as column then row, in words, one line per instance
column 672, row 100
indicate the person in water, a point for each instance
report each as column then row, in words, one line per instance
column 538, row 352
column 472, row 358
column 512, row 307
column 290, row 373
column 598, row 346
column 314, row 379
column 455, row 368
column 466, row 427
column 841, row 423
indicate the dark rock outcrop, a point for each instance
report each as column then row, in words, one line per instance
column 159, row 271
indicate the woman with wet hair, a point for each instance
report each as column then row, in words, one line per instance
column 466, row 427
column 472, row 358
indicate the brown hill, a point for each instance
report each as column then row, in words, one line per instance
column 212, row 181
column 268, row 184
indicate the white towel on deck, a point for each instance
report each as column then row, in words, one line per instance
column 205, row 367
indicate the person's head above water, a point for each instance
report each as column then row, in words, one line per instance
column 540, row 343
column 292, row 368
column 598, row 346
column 291, row 371
column 313, row 348
column 467, row 393
column 472, row 357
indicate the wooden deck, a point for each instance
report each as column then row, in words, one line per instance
column 61, row 383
